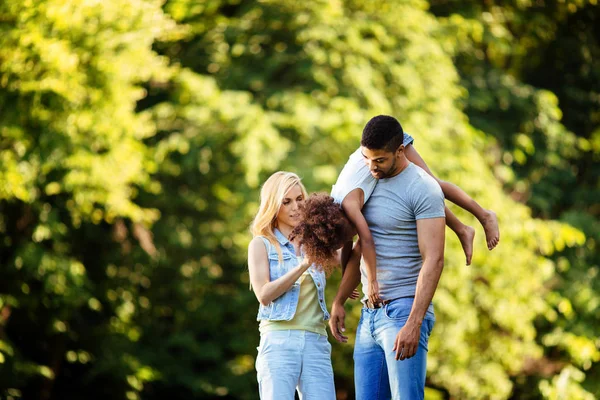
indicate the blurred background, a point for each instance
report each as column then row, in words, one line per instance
column 134, row 136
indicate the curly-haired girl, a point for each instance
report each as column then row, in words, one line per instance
column 323, row 229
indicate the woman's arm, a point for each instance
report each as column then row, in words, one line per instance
column 258, row 264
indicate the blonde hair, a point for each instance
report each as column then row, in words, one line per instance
column 272, row 193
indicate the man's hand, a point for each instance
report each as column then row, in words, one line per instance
column 337, row 322
column 407, row 341
column 373, row 292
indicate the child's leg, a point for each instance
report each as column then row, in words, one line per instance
column 464, row 232
column 487, row 218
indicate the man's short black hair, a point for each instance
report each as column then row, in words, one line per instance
column 382, row 133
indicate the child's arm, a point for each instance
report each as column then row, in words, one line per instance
column 352, row 205
column 487, row 218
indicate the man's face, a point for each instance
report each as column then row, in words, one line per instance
column 381, row 163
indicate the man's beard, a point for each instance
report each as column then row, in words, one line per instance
column 390, row 171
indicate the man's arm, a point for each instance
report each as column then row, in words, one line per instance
column 350, row 281
column 430, row 233
column 344, row 255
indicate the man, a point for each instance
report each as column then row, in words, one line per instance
column 405, row 214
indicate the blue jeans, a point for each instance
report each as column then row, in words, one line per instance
column 294, row 360
column 377, row 374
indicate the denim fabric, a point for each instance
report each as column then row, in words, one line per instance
column 377, row 373
column 284, row 307
column 294, row 359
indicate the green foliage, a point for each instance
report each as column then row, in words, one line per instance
column 135, row 135
column 530, row 74
column 73, row 159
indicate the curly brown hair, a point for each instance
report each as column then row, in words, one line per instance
column 322, row 231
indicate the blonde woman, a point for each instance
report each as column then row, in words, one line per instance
column 294, row 353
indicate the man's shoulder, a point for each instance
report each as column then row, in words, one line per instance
column 411, row 178
column 423, row 184
column 421, row 177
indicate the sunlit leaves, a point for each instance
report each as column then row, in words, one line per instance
column 129, row 179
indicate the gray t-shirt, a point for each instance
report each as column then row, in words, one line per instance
column 392, row 213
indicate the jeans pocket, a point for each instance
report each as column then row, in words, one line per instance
column 272, row 341
column 426, row 329
column 325, row 342
column 430, row 325
column 397, row 310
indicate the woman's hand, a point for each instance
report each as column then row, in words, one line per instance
column 258, row 265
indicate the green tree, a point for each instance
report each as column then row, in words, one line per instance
column 135, row 135
column 318, row 71
column 73, row 160
column 530, row 72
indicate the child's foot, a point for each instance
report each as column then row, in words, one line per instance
column 466, row 240
column 492, row 231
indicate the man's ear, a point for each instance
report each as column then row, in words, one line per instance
column 399, row 150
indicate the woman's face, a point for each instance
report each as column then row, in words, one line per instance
column 289, row 211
